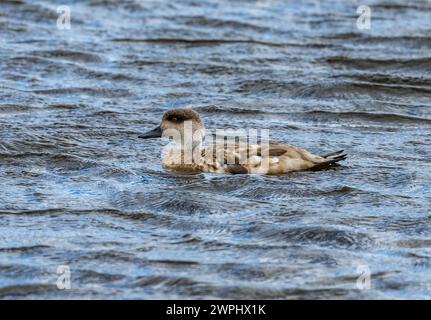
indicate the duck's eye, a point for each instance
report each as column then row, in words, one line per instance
column 174, row 119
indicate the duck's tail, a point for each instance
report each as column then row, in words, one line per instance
column 331, row 159
column 340, row 154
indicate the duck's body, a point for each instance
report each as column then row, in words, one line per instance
column 232, row 158
column 277, row 159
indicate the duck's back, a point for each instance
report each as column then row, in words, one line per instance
column 262, row 159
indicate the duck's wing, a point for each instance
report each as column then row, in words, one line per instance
column 269, row 159
column 263, row 159
column 283, row 158
column 231, row 158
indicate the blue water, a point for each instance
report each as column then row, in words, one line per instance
column 78, row 189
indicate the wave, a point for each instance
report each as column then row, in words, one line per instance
column 420, row 82
column 318, row 235
column 15, row 108
column 164, row 281
column 339, row 89
column 209, row 22
column 78, row 56
column 103, row 92
column 26, row 249
column 197, row 42
column 423, row 64
column 369, row 116
column 38, row 289
column 230, row 110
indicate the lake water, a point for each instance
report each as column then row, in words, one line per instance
column 79, row 192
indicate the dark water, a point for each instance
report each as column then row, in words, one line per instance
column 79, row 189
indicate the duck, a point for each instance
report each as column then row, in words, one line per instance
column 190, row 152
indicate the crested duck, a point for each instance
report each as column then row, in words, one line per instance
column 189, row 153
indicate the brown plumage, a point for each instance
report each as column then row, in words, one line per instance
column 273, row 158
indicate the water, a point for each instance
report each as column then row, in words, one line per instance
column 78, row 189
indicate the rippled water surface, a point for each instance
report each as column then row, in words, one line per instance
column 79, row 189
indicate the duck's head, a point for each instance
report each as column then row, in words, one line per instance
column 180, row 125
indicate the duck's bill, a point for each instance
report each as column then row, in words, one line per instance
column 155, row 133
